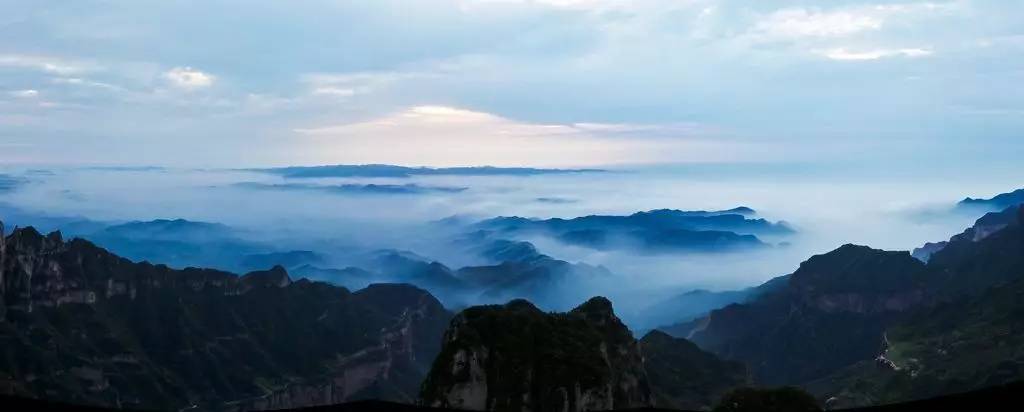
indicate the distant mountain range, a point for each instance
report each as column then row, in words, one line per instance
column 655, row 231
column 373, row 189
column 1003, row 215
column 996, row 203
column 378, row 170
column 9, row 183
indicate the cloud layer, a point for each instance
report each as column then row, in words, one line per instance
column 551, row 82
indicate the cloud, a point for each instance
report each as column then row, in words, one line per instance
column 189, row 78
column 45, row 64
column 846, row 55
column 344, row 85
column 795, row 23
column 25, row 94
column 450, row 136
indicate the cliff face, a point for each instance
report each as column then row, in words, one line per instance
column 78, row 324
column 515, row 357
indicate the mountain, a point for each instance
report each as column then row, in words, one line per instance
column 178, row 243
column 988, row 224
column 290, row 259
column 515, row 357
column 687, row 306
column 543, row 280
column 654, row 231
column 831, row 313
column 859, row 326
column 82, row 325
column 683, row 376
column 368, row 189
column 998, row 202
column 684, row 308
column 403, row 171
column 985, row 255
column 969, row 340
column 350, row 277
column 9, row 183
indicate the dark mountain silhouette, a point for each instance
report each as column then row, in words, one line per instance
column 683, row 376
column 859, row 326
column 81, row 325
column 516, row 357
column 989, row 399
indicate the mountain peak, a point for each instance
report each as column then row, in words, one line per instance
column 277, row 276
column 598, row 305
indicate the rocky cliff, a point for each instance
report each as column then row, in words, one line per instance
column 79, row 324
column 515, row 357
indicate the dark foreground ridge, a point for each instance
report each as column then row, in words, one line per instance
column 999, row 398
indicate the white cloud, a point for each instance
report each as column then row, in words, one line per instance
column 449, row 136
column 797, row 23
column 343, row 85
column 334, row 91
column 847, row 55
column 25, row 94
column 189, row 78
column 45, row 64
column 76, row 81
column 794, row 23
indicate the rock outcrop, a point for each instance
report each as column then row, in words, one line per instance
column 515, row 357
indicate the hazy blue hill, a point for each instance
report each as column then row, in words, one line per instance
column 178, row 243
column 654, row 231
column 68, row 225
column 352, row 188
column 164, row 229
column 349, row 277
column 998, row 202
column 289, row 260
column 82, row 325
column 403, row 171
column 9, row 183
column 986, row 225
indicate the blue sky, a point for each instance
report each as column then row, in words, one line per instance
column 511, row 82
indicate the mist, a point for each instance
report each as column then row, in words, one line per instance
column 269, row 213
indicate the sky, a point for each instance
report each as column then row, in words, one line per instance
column 552, row 83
